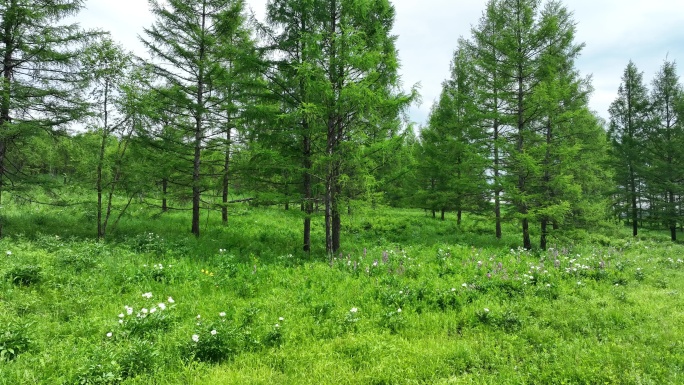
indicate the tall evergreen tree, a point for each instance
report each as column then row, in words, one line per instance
column 491, row 79
column 108, row 67
column 39, row 89
column 454, row 143
column 344, row 62
column 190, row 43
column 664, row 144
column 517, row 45
column 629, row 120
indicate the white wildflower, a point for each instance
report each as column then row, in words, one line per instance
column 147, row 295
column 195, row 337
column 213, row 332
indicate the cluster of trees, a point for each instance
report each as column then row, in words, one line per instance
column 647, row 136
column 304, row 108
column 512, row 127
column 307, row 109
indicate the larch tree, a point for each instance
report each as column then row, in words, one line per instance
column 491, row 80
column 664, row 143
column 454, row 146
column 515, row 44
column 40, row 85
column 108, row 68
column 343, row 60
column 189, row 43
column 629, row 120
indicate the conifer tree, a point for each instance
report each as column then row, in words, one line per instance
column 190, row 43
column 40, row 85
column 341, row 57
column 517, row 45
column 629, row 120
column 664, row 144
column 454, row 143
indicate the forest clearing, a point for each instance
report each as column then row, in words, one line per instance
column 252, row 204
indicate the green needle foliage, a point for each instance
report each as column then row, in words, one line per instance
column 40, row 84
column 193, row 45
column 629, row 119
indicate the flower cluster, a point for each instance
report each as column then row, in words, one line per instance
column 145, row 319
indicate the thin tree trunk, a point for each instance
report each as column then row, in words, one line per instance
column 459, row 216
column 635, row 207
column 5, row 103
column 308, row 194
column 497, row 161
column 522, row 206
column 226, row 178
column 165, row 186
column 3, row 150
column 196, row 188
column 100, row 163
column 544, row 232
column 442, row 216
column 672, row 220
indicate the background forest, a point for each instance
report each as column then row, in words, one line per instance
column 307, row 111
column 251, row 206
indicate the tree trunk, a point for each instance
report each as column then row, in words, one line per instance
column 635, row 207
column 308, row 194
column 672, row 220
column 5, row 103
column 165, row 186
column 544, row 232
column 196, row 191
column 3, row 150
column 459, row 216
column 442, row 216
column 196, row 188
column 100, row 164
column 226, row 178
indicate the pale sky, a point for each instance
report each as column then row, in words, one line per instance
column 614, row 32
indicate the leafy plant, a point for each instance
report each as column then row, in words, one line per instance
column 24, row 275
column 14, row 340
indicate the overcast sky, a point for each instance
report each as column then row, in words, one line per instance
column 614, row 32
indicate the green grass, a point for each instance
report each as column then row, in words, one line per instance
column 435, row 303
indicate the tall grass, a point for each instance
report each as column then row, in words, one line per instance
column 409, row 300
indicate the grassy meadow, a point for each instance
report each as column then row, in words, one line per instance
column 411, row 300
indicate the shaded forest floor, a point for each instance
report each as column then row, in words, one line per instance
column 411, row 300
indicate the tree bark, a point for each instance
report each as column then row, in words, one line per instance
column 544, row 232
column 196, row 188
column 226, row 178
column 165, row 186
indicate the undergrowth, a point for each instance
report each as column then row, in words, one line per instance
column 410, row 299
